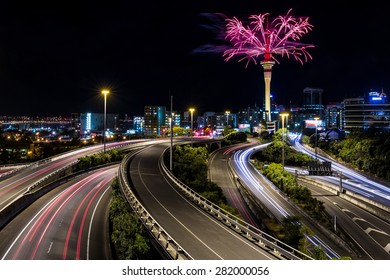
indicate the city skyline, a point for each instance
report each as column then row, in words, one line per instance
column 55, row 59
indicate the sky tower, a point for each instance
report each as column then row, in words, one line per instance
column 267, row 64
column 267, row 40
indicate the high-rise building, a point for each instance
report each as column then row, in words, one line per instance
column 154, row 117
column 333, row 116
column 94, row 122
column 251, row 116
column 176, row 118
column 139, row 124
column 312, row 103
column 372, row 110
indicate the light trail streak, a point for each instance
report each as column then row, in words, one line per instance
column 364, row 186
column 242, row 162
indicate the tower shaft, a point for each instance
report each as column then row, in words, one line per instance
column 267, row 67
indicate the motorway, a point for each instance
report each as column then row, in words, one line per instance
column 367, row 234
column 68, row 223
column 222, row 175
column 370, row 234
column 277, row 205
column 18, row 184
column 354, row 180
column 202, row 236
column 53, row 227
column 199, row 233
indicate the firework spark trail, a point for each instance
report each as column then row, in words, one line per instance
column 264, row 40
column 260, row 40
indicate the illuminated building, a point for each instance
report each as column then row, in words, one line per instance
column 373, row 110
column 154, row 120
column 94, row 122
column 312, row 102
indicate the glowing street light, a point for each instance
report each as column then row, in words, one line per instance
column 227, row 117
column 315, row 147
column 192, row 123
column 283, row 135
column 192, row 119
column 105, row 92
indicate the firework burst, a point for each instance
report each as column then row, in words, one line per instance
column 263, row 41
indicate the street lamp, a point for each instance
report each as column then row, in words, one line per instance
column 315, row 147
column 283, row 115
column 171, row 138
column 105, row 92
column 192, row 122
column 192, row 119
column 227, row 117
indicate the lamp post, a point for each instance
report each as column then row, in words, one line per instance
column 105, row 92
column 283, row 115
column 192, row 122
column 171, row 136
column 227, row 117
column 315, row 147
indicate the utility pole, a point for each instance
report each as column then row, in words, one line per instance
column 171, row 122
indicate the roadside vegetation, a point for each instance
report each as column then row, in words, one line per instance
column 366, row 150
column 190, row 167
column 129, row 238
column 269, row 162
column 291, row 231
column 98, row 159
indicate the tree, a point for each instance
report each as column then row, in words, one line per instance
column 292, row 227
column 128, row 234
column 319, row 253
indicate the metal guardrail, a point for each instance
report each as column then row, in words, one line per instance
column 42, row 161
column 380, row 210
column 171, row 247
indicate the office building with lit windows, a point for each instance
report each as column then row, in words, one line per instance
column 94, row 123
column 333, row 115
column 372, row 110
column 139, row 124
column 312, row 103
column 249, row 118
column 154, row 120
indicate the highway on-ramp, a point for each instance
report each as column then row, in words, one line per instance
column 272, row 199
column 196, row 231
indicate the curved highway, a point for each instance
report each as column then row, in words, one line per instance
column 200, row 234
column 357, row 182
column 367, row 234
column 69, row 223
column 14, row 186
column 220, row 173
column 276, row 204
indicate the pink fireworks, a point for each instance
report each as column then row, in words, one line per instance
column 263, row 40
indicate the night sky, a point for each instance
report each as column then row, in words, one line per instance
column 56, row 56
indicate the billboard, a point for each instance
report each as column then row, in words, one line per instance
column 244, row 127
column 313, row 123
